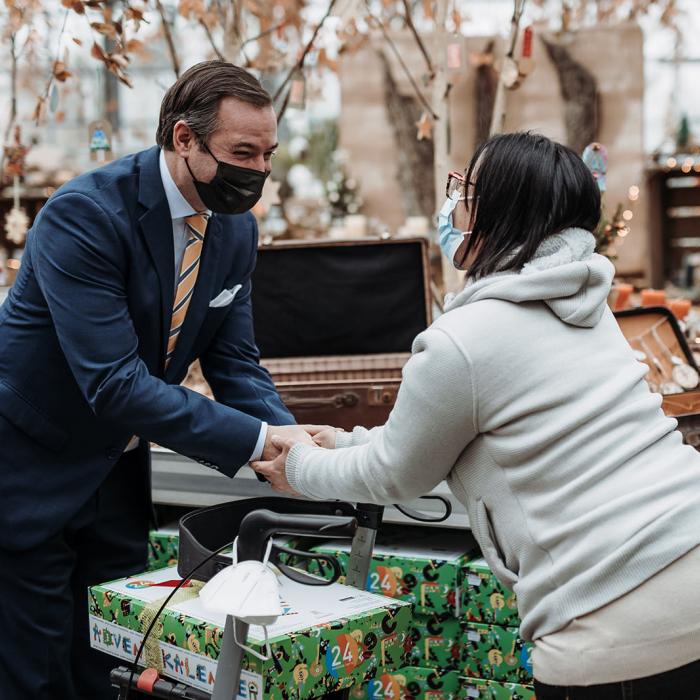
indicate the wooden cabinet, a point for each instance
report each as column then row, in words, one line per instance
column 674, row 223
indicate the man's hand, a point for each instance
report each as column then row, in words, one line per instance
column 274, row 470
column 297, row 433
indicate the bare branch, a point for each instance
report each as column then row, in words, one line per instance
column 49, row 82
column 13, row 99
column 419, row 93
column 419, row 41
column 300, row 63
column 218, row 53
column 265, row 33
column 168, row 38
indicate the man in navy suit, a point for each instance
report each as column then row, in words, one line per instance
column 130, row 273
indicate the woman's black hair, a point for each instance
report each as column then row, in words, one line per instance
column 525, row 187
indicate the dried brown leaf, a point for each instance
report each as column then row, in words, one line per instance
column 191, row 8
column 134, row 46
column 124, row 78
column 119, row 59
column 39, row 109
column 107, row 30
column 77, row 41
column 134, row 13
column 60, row 72
column 75, row 5
column 98, row 52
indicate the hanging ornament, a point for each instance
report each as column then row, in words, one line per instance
column 100, row 140
column 510, row 75
column 425, row 127
column 526, row 64
column 53, row 99
column 454, row 54
column 16, row 226
column 15, row 156
column 297, row 91
column 17, row 221
column 595, row 156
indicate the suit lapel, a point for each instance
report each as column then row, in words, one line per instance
column 157, row 231
column 203, row 293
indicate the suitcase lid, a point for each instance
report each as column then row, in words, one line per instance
column 360, row 297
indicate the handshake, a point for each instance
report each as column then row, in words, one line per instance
column 279, row 440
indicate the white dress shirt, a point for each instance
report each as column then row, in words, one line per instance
column 179, row 209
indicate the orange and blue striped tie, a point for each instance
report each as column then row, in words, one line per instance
column 196, row 226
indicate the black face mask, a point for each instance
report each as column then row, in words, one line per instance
column 233, row 190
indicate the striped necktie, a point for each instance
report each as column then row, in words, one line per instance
column 196, row 227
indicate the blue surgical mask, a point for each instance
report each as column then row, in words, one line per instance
column 450, row 238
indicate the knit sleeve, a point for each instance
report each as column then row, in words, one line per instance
column 358, row 436
column 433, row 420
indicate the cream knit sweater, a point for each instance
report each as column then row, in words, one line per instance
column 526, row 397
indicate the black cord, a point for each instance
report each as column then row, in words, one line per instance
column 134, row 665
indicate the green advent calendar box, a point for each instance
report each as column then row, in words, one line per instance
column 494, row 690
column 328, row 638
column 497, row 653
column 163, row 546
column 484, row 599
column 422, row 566
column 436, row 641
column 411, row 684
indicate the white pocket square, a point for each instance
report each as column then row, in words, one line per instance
column 225, row 298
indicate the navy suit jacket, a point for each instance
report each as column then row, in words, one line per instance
column 83, row 338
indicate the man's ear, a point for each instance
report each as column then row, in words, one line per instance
column 183, row 138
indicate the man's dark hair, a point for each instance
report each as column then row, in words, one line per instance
column 196, row 94
column 526, row 187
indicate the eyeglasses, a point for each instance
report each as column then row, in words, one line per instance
column 456, row 182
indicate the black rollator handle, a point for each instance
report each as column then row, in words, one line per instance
column 121, row 678
column 257, row 528
column 425, row 517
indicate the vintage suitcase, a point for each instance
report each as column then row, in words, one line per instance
column 654, row 332
column 335, row 320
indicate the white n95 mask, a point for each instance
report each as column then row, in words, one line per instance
column 450, row 238
column 249, row 591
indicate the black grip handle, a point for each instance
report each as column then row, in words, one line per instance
column 123, row 679
column 424, row 517
column 257, row 528
column 301, row 576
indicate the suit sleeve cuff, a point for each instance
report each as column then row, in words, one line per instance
column 260, row 444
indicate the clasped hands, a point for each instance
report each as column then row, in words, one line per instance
column 279, row 440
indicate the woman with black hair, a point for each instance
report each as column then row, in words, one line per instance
column 527, row 398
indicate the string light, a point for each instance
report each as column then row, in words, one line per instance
column 671, row 162
column 627, row 215
column 633, row 193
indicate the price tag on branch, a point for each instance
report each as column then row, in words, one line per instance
column 454, row 54
column 100, row 140
column 297, row 91
column 526, row 64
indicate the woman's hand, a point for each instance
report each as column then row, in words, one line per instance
column 274, row 470
column 326, row 438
